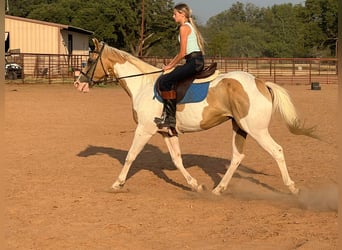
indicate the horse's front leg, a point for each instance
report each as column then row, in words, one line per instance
column 175, row 152
column 141, row 137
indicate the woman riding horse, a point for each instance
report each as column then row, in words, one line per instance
column 191, row 48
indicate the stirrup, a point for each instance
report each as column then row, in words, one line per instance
column 159, row 120
column 163, row 122
column 170, row 131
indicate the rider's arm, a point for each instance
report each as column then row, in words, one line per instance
column 184, row 32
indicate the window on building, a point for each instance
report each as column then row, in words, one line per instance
column 70, row 45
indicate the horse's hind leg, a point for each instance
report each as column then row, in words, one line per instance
column 139, row 141
column 175, row 152
column 238, row 141
column 266, row 141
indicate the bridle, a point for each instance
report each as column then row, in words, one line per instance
column 93, row 67
column 104, row 79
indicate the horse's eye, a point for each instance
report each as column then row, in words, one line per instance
column 90, row 60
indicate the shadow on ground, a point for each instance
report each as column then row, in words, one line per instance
column 156, row 161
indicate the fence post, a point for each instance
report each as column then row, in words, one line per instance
column 21, row 56
column 274, row 71
column 270, row 61
column 293, row 67
column 49, row 72
column 310, row 71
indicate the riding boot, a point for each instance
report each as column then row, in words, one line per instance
column 168, row 118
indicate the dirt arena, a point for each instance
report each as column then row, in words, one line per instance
column 64, row 149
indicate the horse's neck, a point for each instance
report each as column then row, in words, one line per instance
column 133, row 78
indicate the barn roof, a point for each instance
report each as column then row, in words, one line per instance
column 61, row 26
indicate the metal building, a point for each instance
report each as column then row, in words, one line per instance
column 25, row 35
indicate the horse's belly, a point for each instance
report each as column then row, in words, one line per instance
column 187, row 127
column 189, row 118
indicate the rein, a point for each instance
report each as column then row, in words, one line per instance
column 142, row 74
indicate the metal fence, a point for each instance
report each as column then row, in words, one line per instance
column 52, row 68
column 280, row 70
column 49, row 68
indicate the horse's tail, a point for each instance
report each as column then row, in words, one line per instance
column 282, row 103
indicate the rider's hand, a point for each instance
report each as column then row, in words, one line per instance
column 167, row 67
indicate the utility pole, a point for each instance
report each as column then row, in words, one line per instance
column 7, row 6
column 142, row 28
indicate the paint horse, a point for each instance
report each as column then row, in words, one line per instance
column 237, row 96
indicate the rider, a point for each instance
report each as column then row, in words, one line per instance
column 191, row 48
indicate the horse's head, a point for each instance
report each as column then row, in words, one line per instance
column 97, row 69
column 105, row 61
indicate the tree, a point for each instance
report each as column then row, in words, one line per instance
column 283, row 30
column 159, row 28
column 321, row 17
column 114, row 21
column 62, row 11
column 17, row 8
column 235, row 32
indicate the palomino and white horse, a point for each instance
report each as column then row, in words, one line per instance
column 238, row 96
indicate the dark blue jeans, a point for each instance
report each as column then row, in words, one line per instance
column 193, row 65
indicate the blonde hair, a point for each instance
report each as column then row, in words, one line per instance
column 184, row 9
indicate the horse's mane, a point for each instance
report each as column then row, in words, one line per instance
column 140, row 64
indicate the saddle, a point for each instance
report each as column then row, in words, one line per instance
column 182, row 86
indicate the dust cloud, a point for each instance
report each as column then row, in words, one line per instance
column 321, row 199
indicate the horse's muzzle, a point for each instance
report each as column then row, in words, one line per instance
column 82, row 86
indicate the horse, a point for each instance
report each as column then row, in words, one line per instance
column 246, row 100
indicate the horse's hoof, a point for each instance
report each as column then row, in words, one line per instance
column 217, row 191
column 201, row 188
column 214, row 192
column 294, row 190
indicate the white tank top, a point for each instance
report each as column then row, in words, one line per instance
column 192, row 44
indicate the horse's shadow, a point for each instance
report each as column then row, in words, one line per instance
column 156, row 161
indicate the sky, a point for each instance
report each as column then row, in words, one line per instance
column 204, row 9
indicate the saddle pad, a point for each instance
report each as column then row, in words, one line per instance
column 195, row 93
column 209, row 78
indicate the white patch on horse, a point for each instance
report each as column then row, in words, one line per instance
column 189, row 119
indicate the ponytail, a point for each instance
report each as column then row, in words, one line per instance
column 199, row 37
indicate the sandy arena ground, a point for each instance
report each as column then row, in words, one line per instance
column 65, row 149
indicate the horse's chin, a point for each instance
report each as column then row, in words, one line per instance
column 82, row 86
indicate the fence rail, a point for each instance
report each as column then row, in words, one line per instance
column 54, row 68
column 280, row 70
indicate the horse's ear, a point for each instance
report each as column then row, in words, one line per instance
column 96, row 43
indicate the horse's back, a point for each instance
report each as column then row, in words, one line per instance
column 249, row 83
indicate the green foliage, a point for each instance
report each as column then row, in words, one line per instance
column 116, row 22
column 322, row 19
column 284, row 30
column 18, row 8
column 243, row 30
